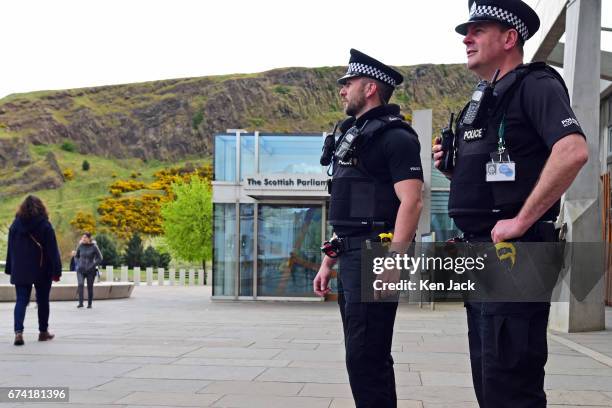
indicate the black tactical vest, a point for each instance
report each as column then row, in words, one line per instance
column 473, row 201
column 358, row 199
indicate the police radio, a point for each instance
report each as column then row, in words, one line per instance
column 347, row 145
column 448, row 147
column 482, row 99
column 328, row 147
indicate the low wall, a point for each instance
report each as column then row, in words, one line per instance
column 66, row 289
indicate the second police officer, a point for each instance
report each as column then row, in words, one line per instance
column 518, row 148
column 376, row 188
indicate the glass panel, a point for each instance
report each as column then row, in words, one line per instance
column 224, row 241
column 225, row 157
column 441, row 223
column 289, row 254
column 246, row 249
column 290, row 154
column 247, row 156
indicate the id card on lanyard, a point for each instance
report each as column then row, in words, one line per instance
column 501, row 167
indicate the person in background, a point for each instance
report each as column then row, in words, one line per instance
column 88, row 257
column 33, row 258
column 72, row 261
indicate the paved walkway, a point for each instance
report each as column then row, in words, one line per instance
column 171, row 346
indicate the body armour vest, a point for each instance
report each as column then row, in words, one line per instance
column 473, row 201
column 358, row 199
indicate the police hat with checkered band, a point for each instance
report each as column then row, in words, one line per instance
column 512, row 13
column 362, row 65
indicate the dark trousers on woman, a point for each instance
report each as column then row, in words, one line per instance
column 81, row 278
column 23, row 293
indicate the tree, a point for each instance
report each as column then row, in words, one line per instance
column 150, row 257
column 154, row 258
column 187, row 221
column 85, row 165
column 133, row 252
column 110, row 256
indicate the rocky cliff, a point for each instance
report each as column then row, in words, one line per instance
column 173, row 119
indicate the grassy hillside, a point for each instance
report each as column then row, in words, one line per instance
column 83, row 193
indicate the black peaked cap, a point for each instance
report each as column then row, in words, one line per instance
column 513, row 13
column 361, row 64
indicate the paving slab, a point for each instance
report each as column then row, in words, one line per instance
column 151, row 385
column 174, row 347
column 196, row 372
column 169, row 398
column 260, row 401
column 255, row 388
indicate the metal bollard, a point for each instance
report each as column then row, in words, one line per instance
column 181, row 277
column 191, row 277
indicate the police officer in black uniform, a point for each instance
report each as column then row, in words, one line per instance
column 376, row 188
column 518, row 147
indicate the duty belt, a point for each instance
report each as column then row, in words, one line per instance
column 338, row 245
column 543, row 229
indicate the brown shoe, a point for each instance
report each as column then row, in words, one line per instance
column 45, row 336
column 19, row 339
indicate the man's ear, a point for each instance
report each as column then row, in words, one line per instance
column 512, row 39
column 371, row 89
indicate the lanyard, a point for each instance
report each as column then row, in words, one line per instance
column 501, row 144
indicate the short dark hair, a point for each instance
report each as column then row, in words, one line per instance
column 32, row 207
column 384, row 91
column 87, row 234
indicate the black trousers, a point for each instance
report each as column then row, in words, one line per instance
column 508, row 354
column 81, row 278
column 508, row 345
column 368, row 335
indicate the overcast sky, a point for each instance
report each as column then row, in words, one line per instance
column 58, row 44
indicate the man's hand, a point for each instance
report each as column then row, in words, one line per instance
column 56, row 278
column 387, row 276
column 438, row 153
column 508, row 229
column 320, row 284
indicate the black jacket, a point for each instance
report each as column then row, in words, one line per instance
column 32, row 254
column 87, row 257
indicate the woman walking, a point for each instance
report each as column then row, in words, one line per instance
column 33, row 258
column 87, row 257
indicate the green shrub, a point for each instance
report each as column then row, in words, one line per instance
column 281, row 89
column 198, row 118
column 68, row 146
column 85, row 165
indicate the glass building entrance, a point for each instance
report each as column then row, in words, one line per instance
column 269, row 197
column 270, row 210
